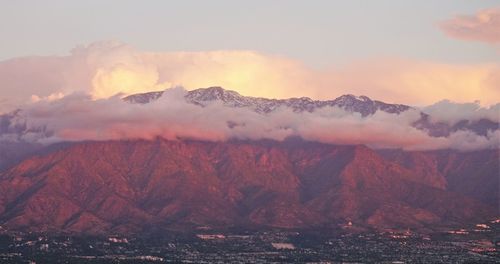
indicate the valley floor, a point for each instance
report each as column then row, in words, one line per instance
column 473, row 244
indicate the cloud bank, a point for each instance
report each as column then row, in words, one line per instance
column 79, row 117
column 484, row 26
column 451, row 113
column 104, row 69
column 78, row 97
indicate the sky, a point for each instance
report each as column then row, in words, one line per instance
column 410, row 52
column 317, row 33
column 67, row 64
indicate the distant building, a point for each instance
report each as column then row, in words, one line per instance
column 283, row 246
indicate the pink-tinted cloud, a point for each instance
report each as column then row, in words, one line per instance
column 78, row 117
column 418, row 82
column 484, row 26
column 104, row 69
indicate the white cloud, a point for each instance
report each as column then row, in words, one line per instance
column 79, row 117
column 451, row 112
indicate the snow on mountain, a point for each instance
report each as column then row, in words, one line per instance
column 350, row 103
column 204, row 96
column 15, row 126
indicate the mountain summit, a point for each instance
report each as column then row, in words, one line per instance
column 135, row 184
column 203, row 96
column 350, row 103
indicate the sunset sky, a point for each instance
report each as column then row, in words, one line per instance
column 412, row 52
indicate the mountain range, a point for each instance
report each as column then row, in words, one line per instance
column 203, row 96
column 136, row 185
column 355, row 104
column 130, row 186
column 15, row 127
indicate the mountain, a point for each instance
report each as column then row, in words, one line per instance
column 475, row 173
column 350, row 103
column 16, row 126
column 22, row 136
column 442, row 129
column 203, row 96
column 12, row 152
column 137, row 185
column 13, row 134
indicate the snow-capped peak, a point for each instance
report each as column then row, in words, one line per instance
column 204, row 96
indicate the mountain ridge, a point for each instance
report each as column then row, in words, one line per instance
column 348, row 102
column 129, row 186
column 202, row 96
column 15, row 126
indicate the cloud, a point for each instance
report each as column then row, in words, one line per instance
column 419, row 82
column 104, row 69
column 79, row 117
column 451, row 113
column 484, row 26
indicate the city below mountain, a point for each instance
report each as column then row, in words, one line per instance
column 250, row 132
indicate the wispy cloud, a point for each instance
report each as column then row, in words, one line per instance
column 484, row 26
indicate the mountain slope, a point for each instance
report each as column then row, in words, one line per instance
column 131, row 186
column 475, row 174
